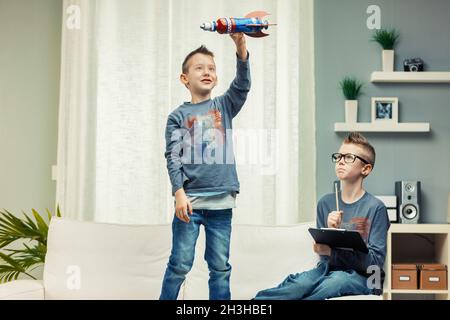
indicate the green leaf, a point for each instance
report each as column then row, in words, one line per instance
column 13, row 263
column 42, row 225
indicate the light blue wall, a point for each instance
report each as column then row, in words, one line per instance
column 30, row 42
column 342, row 47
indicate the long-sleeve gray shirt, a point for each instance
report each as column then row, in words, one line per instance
column 369, row 217
column 199, row 144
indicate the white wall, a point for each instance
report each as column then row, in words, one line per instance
column 30, row 39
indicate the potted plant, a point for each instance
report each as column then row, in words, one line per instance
column 351, row 88
column 32, row 255
column 387, row 39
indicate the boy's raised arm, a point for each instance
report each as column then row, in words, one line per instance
column 241, row 46
column 236, row 95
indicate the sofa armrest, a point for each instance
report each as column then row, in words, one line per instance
column 22, row 290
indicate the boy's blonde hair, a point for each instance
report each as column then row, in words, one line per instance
column 358, row 139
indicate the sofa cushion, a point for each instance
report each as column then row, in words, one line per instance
column 260, row 256
column 113, row 261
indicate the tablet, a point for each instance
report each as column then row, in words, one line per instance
column 339, row 238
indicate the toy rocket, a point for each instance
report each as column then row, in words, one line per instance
column 252, row 25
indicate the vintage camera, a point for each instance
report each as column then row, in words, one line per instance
column 413, row 65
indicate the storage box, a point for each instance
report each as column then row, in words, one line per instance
column 404, row 276
column 433, row 276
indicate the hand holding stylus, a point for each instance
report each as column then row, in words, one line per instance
column 335, row 217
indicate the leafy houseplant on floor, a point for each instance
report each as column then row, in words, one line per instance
column 387, row 39
column 351, row 88
column 32, row 255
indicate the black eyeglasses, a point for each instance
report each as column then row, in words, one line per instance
column 348, row 158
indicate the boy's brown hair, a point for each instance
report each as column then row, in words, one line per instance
column 358, row 139
column 202, row 49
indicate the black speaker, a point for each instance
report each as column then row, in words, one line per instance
column 408, row 201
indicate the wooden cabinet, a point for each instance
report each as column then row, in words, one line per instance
column 416, row 243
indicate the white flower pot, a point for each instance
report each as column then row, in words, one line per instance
column 388, row 60
column 351, row 111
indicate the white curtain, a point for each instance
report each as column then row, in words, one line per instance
column 119, row 82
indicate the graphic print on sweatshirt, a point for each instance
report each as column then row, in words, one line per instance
column 206, row 130
column 360, row 224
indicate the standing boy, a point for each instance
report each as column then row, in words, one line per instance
column 202, row 170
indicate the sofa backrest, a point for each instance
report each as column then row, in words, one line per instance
column 88, row 260
column 260, row 257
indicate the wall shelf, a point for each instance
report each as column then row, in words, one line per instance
column 410, row 77
column 382, row 127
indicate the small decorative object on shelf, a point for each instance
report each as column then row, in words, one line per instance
column 351, row 88
column 385, row 110
column 413, row 65
column 387, row 39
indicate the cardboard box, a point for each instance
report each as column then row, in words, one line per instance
column 433, row 276
column 404, row 276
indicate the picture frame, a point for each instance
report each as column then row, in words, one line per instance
column 385, row 109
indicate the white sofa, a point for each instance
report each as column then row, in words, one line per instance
column 87, row 260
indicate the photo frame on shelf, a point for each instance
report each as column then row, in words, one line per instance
column 385, row 110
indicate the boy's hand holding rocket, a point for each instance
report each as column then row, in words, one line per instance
column 241, row 46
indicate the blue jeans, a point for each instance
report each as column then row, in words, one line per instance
column 217, row 225
column 317, row 284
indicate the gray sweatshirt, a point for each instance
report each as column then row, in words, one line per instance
column 369, row 217
column 199, row 145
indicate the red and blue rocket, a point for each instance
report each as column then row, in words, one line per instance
column 252, row 24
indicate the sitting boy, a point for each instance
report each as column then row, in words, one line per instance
column 342, row 272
